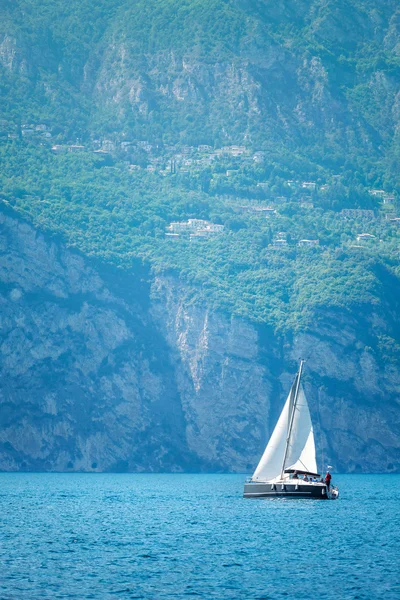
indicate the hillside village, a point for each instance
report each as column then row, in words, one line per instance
column 226, row 166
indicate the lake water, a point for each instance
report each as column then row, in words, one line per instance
column 110, row 536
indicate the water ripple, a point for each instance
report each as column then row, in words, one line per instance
column 179, row 536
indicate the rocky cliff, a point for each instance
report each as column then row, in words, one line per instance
column 104, row 369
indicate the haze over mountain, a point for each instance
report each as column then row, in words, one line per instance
column 195, row 194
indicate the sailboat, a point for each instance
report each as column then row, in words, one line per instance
column 288, row 467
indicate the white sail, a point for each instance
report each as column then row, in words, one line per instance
column 301, row 447
column 307, row 461
column 270, row 464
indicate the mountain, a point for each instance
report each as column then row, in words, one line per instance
column 194, row 195
column 317, row 77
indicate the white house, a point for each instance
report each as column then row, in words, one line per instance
column 363, row 237
column 308, row 243
column 279, row 243
column 57, row 148
column 308, row 185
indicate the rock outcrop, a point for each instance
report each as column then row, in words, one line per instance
column 103, row 369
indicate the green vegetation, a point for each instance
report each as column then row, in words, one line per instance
column 310, row 94
column 121, row 215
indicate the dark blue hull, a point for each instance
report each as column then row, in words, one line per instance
column 286, row 490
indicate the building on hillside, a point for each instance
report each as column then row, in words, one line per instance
column 145, row 145
column 279, row 243
column 108, row 145
column 185, row 150
column 232, row 150
column 280, row 240
column 365, row 237
column 172, row 236
column 357, row 213
column 214, row 228
column 204, row 148
column 178, row 226
column 308, row 243
column 76, row 148
column 308, row 185
column 377, row 193
column 231, row 172
column 388, row 199
column 58, row 148
column 126, row 146
column 41, row 127
column 192, row 226
column 264, row 210
column 195, row 223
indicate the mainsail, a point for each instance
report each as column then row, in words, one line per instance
column 270, row 464
column 291, row 445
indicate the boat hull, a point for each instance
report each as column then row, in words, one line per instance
column 286, row 490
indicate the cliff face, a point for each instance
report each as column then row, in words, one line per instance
column 108, row 370
column 83, row 368
column 286, row 95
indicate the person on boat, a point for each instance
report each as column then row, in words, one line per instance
column 328, row 478
column 295, row 476
column 305, row 478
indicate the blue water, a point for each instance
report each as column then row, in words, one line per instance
column 111, row 536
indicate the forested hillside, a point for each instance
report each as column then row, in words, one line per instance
column 279, row 122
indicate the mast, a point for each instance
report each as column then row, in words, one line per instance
column 291, row 418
